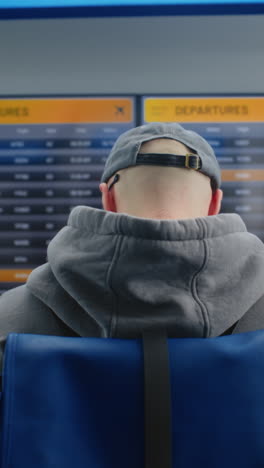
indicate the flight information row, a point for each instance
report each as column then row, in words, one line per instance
column 57, row 143
column 25, row 225
column 35, row 258
column 44, row 209
column 21, row 241
column 48, row 192
column 90, row 191
column 65, row 174
column 54, row 222
column 63, row 143
column 225, row 158
column 231, row 205
column 51, row 159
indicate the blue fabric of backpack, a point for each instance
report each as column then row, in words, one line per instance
column 79, row 402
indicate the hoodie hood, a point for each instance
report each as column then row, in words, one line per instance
column 110, row 274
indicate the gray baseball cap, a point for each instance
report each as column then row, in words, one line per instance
column 126, row 151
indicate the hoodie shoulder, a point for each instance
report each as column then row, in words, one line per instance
column 22, row 312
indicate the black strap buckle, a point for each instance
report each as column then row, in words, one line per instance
column 192, row 161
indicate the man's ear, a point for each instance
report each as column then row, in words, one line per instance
column 215, row 204
column 108, row 198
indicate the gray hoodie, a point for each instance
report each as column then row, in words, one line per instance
column 110, row 274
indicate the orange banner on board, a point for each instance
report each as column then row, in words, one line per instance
column 203, row 109
column 66, row 111
column 243, row 175
column 13, row 276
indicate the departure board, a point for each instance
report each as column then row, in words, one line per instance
column 234, row 127
column 52, row 153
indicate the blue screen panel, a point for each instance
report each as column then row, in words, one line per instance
column 52, row 155
column 75, row 3
column 234, row 127
column 76, row 8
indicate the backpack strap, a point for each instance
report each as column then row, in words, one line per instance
column 252, row 320
column 158, row 443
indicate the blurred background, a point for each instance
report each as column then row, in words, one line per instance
column 73, row 78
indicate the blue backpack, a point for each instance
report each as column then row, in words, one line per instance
column 145, row 403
